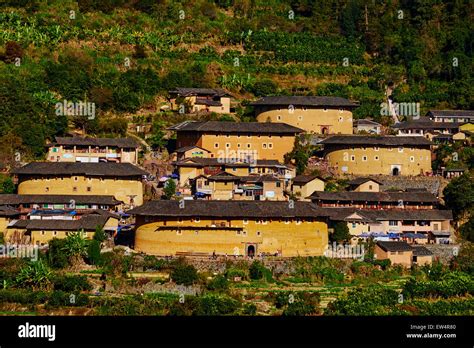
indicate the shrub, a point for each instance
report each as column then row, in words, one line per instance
column 35, row 274
column 374, row 300
column 219, row 283
column 184, row 274
column 249, row 309
column 71, row 283
column 235, row 272
column 258, row 271
column 451, row 284
column 212, row 304
column 56, row 257
column 93, row 252
column 61, row 298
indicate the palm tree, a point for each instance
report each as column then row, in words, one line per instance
column 75, row 247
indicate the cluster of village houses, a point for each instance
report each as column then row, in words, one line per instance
column 237, row 194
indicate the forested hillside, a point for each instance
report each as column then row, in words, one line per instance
column 126, row 55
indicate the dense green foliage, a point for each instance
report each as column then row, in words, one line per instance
column 459, row 196
column 124, row 55
column 184, row 274
column 341, row 233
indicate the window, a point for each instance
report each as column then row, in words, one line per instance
column 354, row 225
column 412, row 159
column 227, row 136
column 180, row 221
column 55, row 233
column 264, row 222
column 227, row 145
column 364, row 148
column 216, row 145
column 74, row 189
column 42, row 233
column 278, row 184
column 393, row 223
column 279, row 118
column 400, row 149
column 76, row 178
column 390, row 149
column 197, row 220
column 46, row 189
column 179, row 232
column 325, row 109
column 364, row 158
column 300, row 118
column 353, row 158
column 341, row 119
column 259, row 233
column 238, row 145
column 345, row 156
column 244, row 233
column 270, row 145
column 370, row 187
column 376, row 148
column 298, row 221
column 287, row 221
column 89, row 189
column 341, row 110
column 246, row 221
column 249, row 145
column 264, row 145
column 376, row 158
column 196, row 232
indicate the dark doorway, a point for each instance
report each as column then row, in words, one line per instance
column 251, row 250
column 324, row 130
column 395, row 171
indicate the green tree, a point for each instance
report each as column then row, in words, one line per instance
column 467, row 230
column 459, row 196
column 184, row 274
column 157, row 139
column 8, row 186
column 170, row 189
column 341, row 233
column 56, row 256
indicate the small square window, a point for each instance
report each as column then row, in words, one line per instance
column 264, row 145
column 216, row 145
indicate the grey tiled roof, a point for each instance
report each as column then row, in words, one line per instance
column 394, row 246
column 452, row 113
column 229, row 209
column 14, row 199
column 90, row 169
column 374, row 196
column 111, row 142
column 387, row 140
column 236, row 127
column 305, row 101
